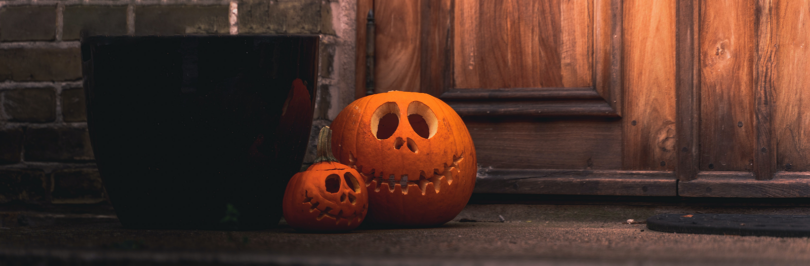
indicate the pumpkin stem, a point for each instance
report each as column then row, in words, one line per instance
column 325, row 146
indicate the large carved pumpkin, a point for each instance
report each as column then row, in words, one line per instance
column 414, row 153
column 328, row 196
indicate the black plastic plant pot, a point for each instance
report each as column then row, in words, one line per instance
column 199, row 132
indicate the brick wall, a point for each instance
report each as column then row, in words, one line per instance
column 45, row 152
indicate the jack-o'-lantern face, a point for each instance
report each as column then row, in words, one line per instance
column 413, row 152
column 328, row 196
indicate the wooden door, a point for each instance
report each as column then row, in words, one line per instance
column 745, row 97
column 611, row 97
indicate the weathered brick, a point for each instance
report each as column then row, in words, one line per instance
column 94, row 20
column 11, row 145
column 300, row 16
column 254, row 17
column 40, row 64
column 327, row 57
column 181, row 19
column 326, row 26
column 77, row 186
column 57, row 144
column 22, row 185
column 312, row 148
column 30, row 105
column 73, row 107
column 28, row 23
column 323, row 103
column 306, row 16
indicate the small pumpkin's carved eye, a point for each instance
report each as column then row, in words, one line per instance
column 333, row 183
column 385, row 120
column 422, row 119
column 351, row 181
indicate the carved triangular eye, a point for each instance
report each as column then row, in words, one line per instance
column 422, row 120
column 385, row 120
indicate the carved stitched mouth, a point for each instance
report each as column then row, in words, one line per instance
column 313, row 206
column 375, row 180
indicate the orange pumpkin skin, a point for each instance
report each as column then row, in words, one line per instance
column 440, row 166
column 328, row 196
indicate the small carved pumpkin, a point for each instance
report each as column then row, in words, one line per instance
column 414, row 153
column 328, row 196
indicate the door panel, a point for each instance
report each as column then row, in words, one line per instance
column 539, row 85
column 649, row 84
column 398, row 64
column 577, row 43
column 523, row 44
column 727, row 51
column 549, row 143
column 791, row 83
column 752, row 61
column 515, row 61
column 535, row 58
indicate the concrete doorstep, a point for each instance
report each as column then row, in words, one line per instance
column 579, row 233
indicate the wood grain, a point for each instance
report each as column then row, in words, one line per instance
column 791, row 97
column 363, row 6
column 492, row 45
column 465, row 33
column 576, row 182
column 743, row 185
column 687, row 92
column 576, row 41
column 507, row 44
column 524, row 37
column 603, row 37
column 616, row 55
column 397, row 45
column 727, row 53
column 649, row 78
column 436, row 46
column 547, row 143
column 765, row 148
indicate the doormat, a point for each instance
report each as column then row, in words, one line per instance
column 732, row 224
